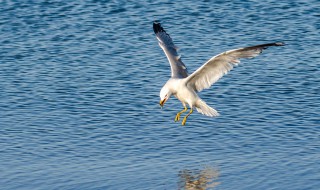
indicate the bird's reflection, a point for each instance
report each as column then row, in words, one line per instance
column 198, row 179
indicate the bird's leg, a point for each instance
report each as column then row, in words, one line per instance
column 185, row 118
column 179, row 113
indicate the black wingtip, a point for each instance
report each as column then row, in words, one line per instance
column 157, row 27
column 265, row 46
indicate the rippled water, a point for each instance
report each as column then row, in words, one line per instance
column 79, row 97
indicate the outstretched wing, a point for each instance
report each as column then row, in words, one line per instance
column 178, row 69
column 217, row 66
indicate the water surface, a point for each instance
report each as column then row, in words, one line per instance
column 80, row 84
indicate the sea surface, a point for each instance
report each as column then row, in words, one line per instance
column 79, row 96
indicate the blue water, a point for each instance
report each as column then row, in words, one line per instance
column 79, row 94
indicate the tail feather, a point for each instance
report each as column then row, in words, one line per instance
column 203, row 108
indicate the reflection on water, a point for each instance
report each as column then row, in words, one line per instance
column 198, row 179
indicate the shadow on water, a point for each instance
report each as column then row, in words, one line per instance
column 198, row 179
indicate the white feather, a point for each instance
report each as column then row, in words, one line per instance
column 219, row 65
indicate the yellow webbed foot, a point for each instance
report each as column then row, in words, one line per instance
column 184, row 121
column 185, row 118
column 177, row 117
column 179, row 113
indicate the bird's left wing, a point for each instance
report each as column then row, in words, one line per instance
column 217, row 66
column 178, row 69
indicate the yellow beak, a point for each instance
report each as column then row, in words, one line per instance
column 162, row 102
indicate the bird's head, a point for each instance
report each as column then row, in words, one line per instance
column 165, row 94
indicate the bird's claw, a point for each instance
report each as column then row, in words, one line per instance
column 184, row 121
column 177, row 118
column 185, row 118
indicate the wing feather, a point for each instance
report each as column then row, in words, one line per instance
column 178, row 69
column 219, row 65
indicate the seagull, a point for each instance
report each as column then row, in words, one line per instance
column 185, row 87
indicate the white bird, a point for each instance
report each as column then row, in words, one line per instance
column 185, row 87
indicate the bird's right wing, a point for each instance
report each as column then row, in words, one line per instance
column 178, row 69
column 217, row 66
